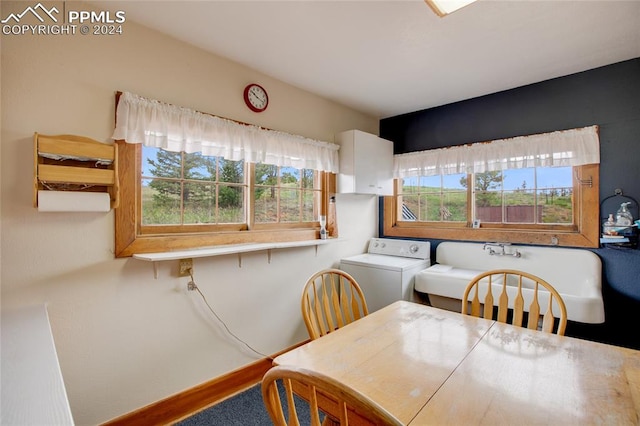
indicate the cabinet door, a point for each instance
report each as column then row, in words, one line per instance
column 366, row 164
column 374, row 164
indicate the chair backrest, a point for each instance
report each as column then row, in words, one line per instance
column 331, row 299
column 517, row 296
column 344, row 403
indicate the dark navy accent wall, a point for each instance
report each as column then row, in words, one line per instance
column 608, row 97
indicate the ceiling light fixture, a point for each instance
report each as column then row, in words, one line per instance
column 445, row 7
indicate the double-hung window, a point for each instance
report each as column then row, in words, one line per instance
column 189, row 180
column 538, row 189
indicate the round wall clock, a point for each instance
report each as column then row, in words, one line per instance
column 256, row 97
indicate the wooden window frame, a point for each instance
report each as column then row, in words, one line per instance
column 585, row 232
column 130, row 239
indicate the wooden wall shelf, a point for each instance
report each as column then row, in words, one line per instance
column 75, row 163
column 223, row 250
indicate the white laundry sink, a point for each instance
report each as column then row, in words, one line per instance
column 575, row 273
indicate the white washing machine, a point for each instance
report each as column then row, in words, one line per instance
column 386, row 272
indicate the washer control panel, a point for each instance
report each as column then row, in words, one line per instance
column 401, row 248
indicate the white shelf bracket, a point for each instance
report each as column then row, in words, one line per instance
column 269, row 256
column 239, row 260
column 155, row 270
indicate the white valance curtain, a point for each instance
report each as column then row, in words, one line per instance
column 573, row 147
column 175, row 128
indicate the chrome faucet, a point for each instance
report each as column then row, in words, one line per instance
column 490, row 246
column 502, row 251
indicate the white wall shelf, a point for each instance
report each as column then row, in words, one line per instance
column 226, row 250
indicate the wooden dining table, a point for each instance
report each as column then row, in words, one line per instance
column 431, row 366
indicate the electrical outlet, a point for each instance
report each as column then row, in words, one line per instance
column 185, row 267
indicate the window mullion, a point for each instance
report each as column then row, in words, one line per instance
column 503, row 201
column 250, row 200
column 182, row 183
column 536, row 205
column 216, row 191
column 278, row 191
column 471, row 199
column 301, row 196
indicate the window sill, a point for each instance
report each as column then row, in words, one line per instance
column 226, row 250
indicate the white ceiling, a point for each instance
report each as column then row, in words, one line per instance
column 389, row 57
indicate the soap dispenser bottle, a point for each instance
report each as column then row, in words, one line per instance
column 609, row 226
column 623, row 216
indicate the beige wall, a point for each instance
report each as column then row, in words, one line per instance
column 125, row 339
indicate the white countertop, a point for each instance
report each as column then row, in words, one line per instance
column 33, row 391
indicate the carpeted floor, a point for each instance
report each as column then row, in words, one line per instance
column 244, row 409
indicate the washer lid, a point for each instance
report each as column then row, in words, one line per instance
column 381, row 261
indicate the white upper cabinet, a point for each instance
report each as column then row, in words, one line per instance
column 366, row 163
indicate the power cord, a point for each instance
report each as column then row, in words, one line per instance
column 191, row 286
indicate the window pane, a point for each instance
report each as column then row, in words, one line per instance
column 199, row 203
column 430, row 206
column 199, row 167
column 266, row 196
column 410, row 185
column 231, row 204
column 520, row 207
column 555, row 177
column 519, row 196
column 286, row 194
column 310, row 205
column 266, row 205
column 159, row 163
column 519, row 179
column 430, row 184
column 488, row 196
column 160, row 202
column 488, row 207
column 434, row 198
column 310, row 179
column 289, row 177
column 488, row 181
column 458, row 181
column 289, row 205
column 266, row 174
column 454, row 206
column 408, row 207
column 555, row 195
column 231, row 171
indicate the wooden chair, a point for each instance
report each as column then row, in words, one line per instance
column 516, row 291
column 347, row 405
column 331, row 299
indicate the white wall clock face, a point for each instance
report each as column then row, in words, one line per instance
column 256, row 97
